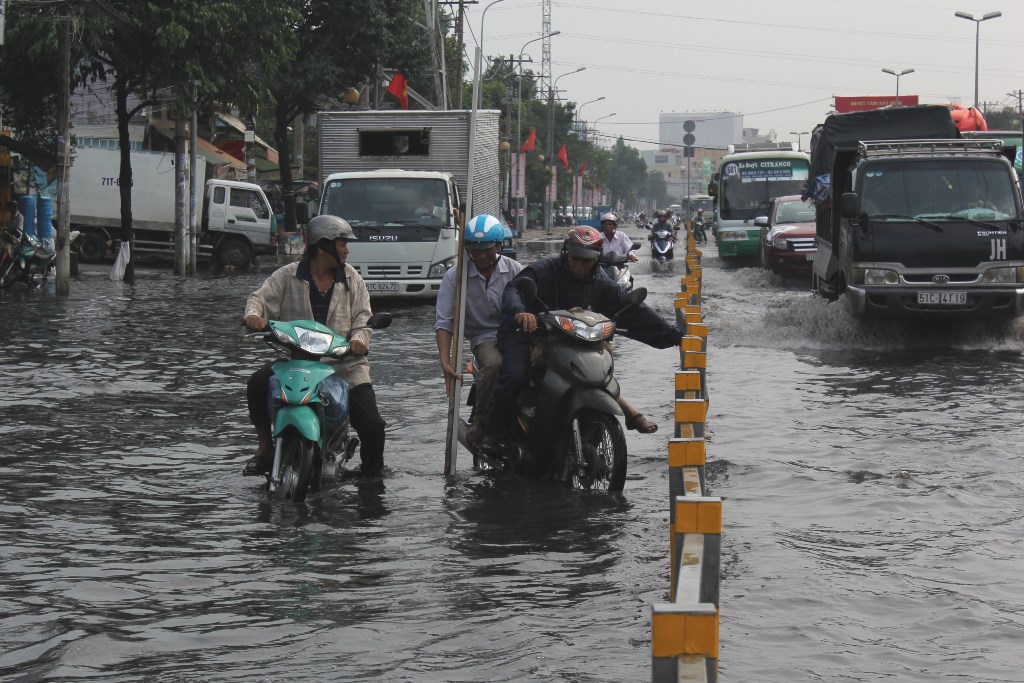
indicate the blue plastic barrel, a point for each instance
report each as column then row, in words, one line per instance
column 44, row 219
column 27, row 206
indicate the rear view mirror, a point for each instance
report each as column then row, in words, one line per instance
column 636, row 245
column 848, row 205
column 379, row 321
column 526, row 287
column 761, row 221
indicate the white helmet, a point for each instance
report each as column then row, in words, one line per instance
column 329, row 228
column 610, row 217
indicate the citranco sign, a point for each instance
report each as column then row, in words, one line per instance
column 844, row 105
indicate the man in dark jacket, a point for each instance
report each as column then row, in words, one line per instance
column 568, row 280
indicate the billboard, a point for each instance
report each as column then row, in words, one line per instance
column 845, row 105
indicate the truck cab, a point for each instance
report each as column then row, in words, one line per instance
column 406, row 227
column 923, row 228
column 238, row 222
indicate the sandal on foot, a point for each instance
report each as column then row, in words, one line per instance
column 640, row 423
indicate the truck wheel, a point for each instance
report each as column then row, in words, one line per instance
column 92, row 247
column 234, row 254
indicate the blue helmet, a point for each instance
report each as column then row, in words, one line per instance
column 484, row 232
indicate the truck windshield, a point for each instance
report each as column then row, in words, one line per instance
column 938, row 190
column 748, row 185
column 369, row 204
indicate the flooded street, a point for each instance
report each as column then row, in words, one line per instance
column 871, row 476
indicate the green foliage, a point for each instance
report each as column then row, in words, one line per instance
column 1003, row 119
column 627, row 175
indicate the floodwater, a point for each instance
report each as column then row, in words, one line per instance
column 871, row 477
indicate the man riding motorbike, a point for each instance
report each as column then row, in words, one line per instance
column 699, row 234
column 613, row 239
column 320, row 287
column 564, row 281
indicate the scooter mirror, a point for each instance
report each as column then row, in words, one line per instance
column 636, row 296
column 526, row 287
column 379, row 321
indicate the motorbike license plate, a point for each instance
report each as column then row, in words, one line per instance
column 942, row 298
column 809, row 257
column 382, row 286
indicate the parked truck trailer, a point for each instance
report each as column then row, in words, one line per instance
column 236, row 221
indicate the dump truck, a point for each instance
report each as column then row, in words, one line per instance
column 913, row 220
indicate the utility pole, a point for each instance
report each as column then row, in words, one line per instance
column 1019, row 94
column 64, row 28
column 459, row 23
column 193, row 219
column 181, row 258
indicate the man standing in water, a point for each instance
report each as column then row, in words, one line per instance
column 488, row 274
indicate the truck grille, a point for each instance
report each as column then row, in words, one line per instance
column 389, row 271
column 803, row 243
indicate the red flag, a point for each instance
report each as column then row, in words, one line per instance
column 398, row 89
column 530, row 142
column 563, row 157
column 582, row 168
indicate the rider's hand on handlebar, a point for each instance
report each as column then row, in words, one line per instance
column 527, row 322
column 359, row 347
column 256, row 323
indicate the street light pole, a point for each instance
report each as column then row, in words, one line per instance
column 549, row 200
column 579, row 109
column 521, row 218
column 483, row 16
column 897, row 75
column 977, row 37
column 799, row 137
column 602, row 118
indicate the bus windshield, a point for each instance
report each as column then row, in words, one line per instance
column 747, row 185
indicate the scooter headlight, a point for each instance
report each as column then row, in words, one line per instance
column 314, row 342
column 581, row 330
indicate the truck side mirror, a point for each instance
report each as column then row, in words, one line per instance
column 848, row 205
column 301, row 213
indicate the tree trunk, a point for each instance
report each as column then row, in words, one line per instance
column 124, row 179
column 284, row 159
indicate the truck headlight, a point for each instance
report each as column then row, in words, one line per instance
column 1006, row 275
column 780, row 243
column 441, row 267
column 875, row 276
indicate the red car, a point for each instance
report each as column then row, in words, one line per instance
column 788, row 241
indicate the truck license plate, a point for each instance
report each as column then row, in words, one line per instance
column 809, row 257
column 382, row 286
column 942, row 298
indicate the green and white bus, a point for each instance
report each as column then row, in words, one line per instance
column 746, row 181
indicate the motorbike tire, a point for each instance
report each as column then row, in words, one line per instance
column 602, row 464
column 297, row 454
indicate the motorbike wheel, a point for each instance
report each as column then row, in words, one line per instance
column 602, row 464
column 296, row 467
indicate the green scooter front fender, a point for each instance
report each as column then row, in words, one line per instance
column 302, row 418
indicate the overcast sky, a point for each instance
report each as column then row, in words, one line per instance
column 778, row 63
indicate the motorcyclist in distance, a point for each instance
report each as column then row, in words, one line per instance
column 613, row 239
column 662, row 222
column 699, row 234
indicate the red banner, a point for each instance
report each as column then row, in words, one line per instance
column 844, row 105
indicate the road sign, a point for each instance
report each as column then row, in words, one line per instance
column 688, row 126
column 688, row 139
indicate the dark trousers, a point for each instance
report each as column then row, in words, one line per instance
column 515, row 375
column 362, row 414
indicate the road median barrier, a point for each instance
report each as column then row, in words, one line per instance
column 685, row 629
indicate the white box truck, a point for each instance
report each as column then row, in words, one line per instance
column 398, row 177
column 236, row 221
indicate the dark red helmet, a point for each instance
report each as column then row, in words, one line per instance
column 583, row 241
